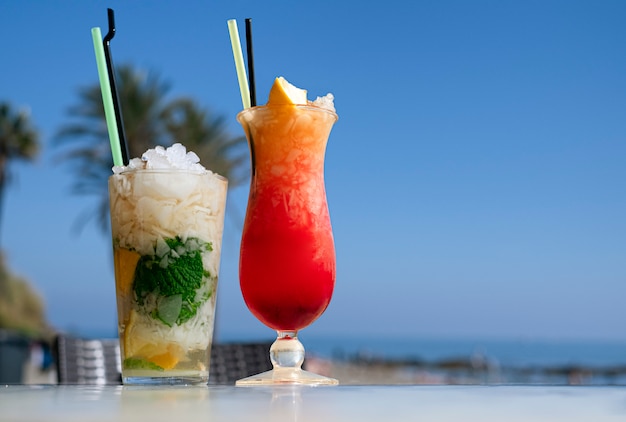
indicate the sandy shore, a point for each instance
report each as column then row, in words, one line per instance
column 357, row 374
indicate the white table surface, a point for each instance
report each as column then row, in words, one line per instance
column 303, row 404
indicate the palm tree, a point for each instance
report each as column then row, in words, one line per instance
column 207, row 136
column 18, row 141
column 149, row 120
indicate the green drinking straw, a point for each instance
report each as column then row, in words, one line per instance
column 107, row 97
column 241, row 70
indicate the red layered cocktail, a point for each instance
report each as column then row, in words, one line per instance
column 287, row 262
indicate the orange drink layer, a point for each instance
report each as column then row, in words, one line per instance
column 287, row 261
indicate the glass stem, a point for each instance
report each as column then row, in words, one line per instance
column 287, row 351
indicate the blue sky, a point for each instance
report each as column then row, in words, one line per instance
column 476, row 177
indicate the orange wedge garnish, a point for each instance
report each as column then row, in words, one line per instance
column 125, row 270
column 283, row 93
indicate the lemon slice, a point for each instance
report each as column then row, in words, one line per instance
column 142, row 343
column 133, row 338
column 283, row 92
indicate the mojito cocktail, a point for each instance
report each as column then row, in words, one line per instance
column 166, row 222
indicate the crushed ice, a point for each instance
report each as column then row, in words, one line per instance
column 159, row 158
column 327, row 102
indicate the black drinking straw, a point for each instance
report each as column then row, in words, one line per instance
column 116, row 98
column 250, row 62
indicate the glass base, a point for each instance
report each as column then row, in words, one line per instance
column 173, row 380
column 286, row 376
column 287, row 357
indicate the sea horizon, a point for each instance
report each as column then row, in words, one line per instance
column 508, row 352
column 517, row 352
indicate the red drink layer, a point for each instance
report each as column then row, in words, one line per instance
column 287, row 261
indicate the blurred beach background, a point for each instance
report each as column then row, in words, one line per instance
column 475, row 177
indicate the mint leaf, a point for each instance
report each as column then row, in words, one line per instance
column 138, row 363
column 183, row 275
column 168, row 309
column 168, row 286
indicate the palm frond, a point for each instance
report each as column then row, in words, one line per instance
column 149, row 120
